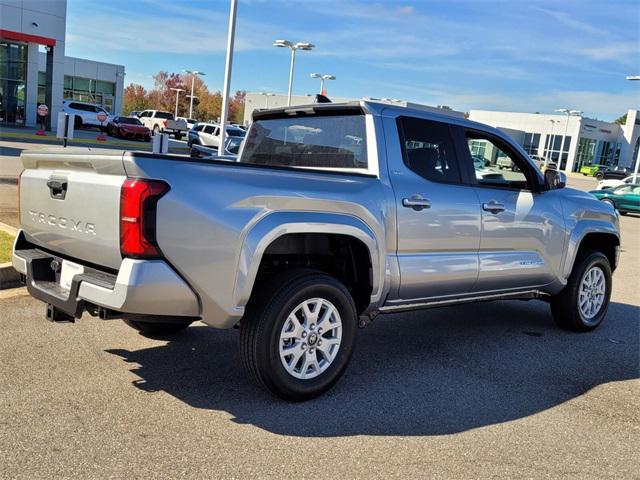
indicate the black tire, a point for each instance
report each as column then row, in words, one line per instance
column 599, row 176
column 622, row 212
column 178, row 136
column 153, row 328
column 77, row 123
column 263, row 321
column 564, row 306
column 609, row 201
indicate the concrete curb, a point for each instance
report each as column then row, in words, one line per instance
column 9, row 278
column 8, row 229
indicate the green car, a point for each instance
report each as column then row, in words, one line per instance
column 591, row 170
column 625, row 198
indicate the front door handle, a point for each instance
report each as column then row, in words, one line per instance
column 493, row 207
column 416, row 202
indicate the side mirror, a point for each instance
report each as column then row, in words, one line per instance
column 555, row 179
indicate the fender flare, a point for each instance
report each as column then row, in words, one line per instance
column 578, row 234
column 269, row 228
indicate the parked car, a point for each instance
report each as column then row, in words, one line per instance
column 503, row 162
column 543, row 162
column 191, row 122
column 128, row 127
column 591, row 169
column 208, row 134
column 616, row 172
column 604, row 184
column 86, row 114
column 333, row 215
column 230, row 152
column 624, row 198
column 163, row 122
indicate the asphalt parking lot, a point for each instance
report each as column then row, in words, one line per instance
column 489, row 390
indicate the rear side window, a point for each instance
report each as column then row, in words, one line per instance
column 165, row 115
column 427, row 149
column 332, row 142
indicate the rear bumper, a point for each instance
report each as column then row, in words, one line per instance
column 143, row 287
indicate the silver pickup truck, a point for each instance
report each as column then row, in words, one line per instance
column 332, row 215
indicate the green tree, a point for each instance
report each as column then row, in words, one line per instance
column 622, row 120
column 135, row 98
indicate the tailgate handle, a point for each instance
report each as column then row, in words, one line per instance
column 57, row 188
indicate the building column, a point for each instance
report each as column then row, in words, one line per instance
column 31, row 85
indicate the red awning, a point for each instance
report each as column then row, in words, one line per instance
column 25, row 37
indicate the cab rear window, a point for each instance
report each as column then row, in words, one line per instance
column 331, row 142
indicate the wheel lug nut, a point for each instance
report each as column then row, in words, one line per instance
column 311, row 350
column 320, row 330
column 304, row 334
column 319, row 342
column 313, row 326
column 304, row 346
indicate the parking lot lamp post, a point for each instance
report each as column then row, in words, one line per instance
column 293, row 47
column 551, row 141
column 193, row 74
column 322, row 78
column 566, row 126
column 266, row 98
column 177, row 90
column 637, row 159
column 231, row 33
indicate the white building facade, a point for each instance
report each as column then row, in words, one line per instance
column 34, row 69
column 570, row 140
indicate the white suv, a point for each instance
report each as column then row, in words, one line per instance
column 86, row 114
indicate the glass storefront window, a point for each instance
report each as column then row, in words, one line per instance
column 97, row 92
column 13, row 74
column 585, row 153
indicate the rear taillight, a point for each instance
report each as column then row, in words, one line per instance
column 138, row 201
column 165, row 122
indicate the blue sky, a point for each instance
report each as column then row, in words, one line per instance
column 513, row 55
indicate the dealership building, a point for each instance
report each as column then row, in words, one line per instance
column 570, row 140
column 34, row 69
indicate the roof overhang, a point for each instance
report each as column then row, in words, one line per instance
column 25, row 37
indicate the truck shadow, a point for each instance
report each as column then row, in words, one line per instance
column 424, row 373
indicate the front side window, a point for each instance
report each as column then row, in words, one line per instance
column 427, row 149
column 317, row 141
column 495, row 165
column 209, row 129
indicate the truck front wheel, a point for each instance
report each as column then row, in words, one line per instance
column 298, row 333
column 583, row 303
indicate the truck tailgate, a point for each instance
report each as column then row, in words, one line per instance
column 70, row 202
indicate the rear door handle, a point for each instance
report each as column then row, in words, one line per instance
column 416, row 202
column 493, row 207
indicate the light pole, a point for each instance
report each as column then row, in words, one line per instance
column 266, row 98
column 177, row 90
column 293, row 47
column 231, row 33
column 637, row 159
column 564, row 137
column 322, row 78
column 551, row 141
column 193, row 74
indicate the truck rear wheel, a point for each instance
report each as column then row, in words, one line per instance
column 178, row 136
column 583, row 303
column 152, row 328
column 298, row 334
